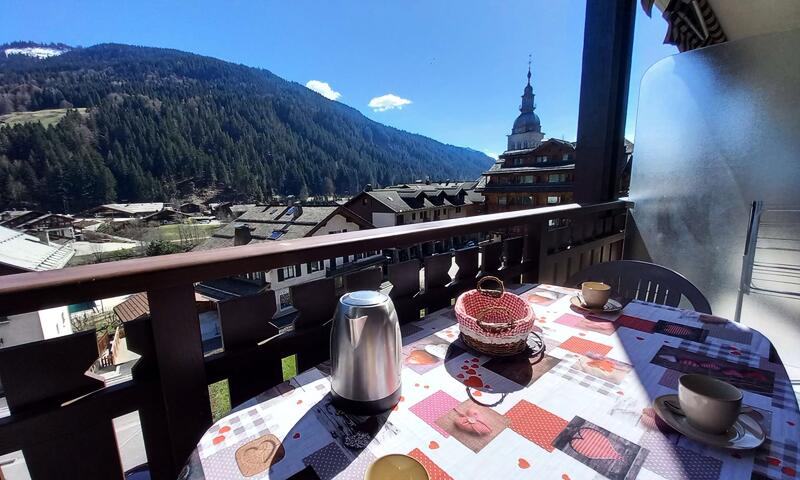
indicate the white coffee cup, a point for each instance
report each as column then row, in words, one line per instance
column 709, row 404
column 595, row 294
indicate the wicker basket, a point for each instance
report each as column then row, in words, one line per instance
column 494, row 322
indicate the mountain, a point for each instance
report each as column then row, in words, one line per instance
column 131, row 123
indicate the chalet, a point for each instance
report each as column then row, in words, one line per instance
column 54, row 225
column 269, row 223
column 416, row 202
column 19, row 253
column 193, row 208
column 167, row 215
column 124, row 210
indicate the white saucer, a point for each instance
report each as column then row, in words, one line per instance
column 610, row 306
column 745, row 434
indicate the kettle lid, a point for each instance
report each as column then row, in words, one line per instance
column 364, row 298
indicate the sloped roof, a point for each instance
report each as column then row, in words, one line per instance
column 137, row 306
column 28, row 223
column 27, row 253
column 168, row 211
column 271, row 222
column 417, row 196
column 131, row 208
column 134, row 307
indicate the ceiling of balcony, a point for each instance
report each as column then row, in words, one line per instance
column 745, row 18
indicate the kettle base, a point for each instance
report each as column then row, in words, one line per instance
column 365, row 407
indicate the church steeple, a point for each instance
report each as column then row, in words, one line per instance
column 528, row 105
column 527, row 130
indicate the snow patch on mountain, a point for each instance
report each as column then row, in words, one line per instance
column 36, row 52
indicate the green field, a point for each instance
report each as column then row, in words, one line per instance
column 184, row 231
column 45, row 117
column 219, row 394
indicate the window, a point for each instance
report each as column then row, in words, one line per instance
column 413, row 216
column 541, row 159
column 400, row 220
column 458, row 209
column 566, row 157
column 502, row 200
column 315, row 266
column 526, row 179
column 364, row 201
column 285, row 298
column 254, row 276
column 553, row 200
column 557, row 178
column 286, row 273
column 516, row 161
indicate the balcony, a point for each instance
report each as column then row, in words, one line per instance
column 528, row 187
column 691, row 187
column 48, row 391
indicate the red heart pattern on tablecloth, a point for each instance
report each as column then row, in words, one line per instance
column 594, row 445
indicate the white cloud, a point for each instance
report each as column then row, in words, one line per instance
column 388, row 102
column 324, row 89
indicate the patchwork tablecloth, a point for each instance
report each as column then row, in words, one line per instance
column 580, row 409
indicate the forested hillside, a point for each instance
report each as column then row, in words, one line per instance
column 159, row 119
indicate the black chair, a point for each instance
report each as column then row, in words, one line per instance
column 632, row 279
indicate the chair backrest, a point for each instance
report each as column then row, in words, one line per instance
column 632, row 279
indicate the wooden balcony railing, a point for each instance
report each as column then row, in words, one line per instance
column 62, row 419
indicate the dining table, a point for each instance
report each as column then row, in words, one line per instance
column 577, row 404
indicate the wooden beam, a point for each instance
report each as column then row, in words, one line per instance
column 181, row 368
column 607, row 47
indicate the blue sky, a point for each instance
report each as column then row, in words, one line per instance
column 457, row 68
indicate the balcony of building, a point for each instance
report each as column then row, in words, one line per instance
column 704, row 116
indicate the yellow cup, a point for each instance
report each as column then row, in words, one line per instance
column 396, row 467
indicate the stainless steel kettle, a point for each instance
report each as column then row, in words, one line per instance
column 365, row 353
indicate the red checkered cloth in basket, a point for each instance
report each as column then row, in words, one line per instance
column 471, row 304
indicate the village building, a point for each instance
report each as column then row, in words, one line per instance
column 124, row 210
column 166, row 216
column 50, row 226
column 532, row 172
column 136, row 306
column 269, row 223
column 416, row 203
column 193, row 208
column 20, row 253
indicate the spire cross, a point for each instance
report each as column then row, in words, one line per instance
column 529, row 69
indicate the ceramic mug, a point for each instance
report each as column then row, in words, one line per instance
column 709, row 404
column 396, row 467
column 595, row 294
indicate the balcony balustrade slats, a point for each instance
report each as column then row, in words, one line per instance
column 179, row 352
column 243, row 322
column 169, row 383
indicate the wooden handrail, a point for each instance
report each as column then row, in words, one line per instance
column 36, row 290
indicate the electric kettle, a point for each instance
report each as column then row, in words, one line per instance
column 365, row 353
